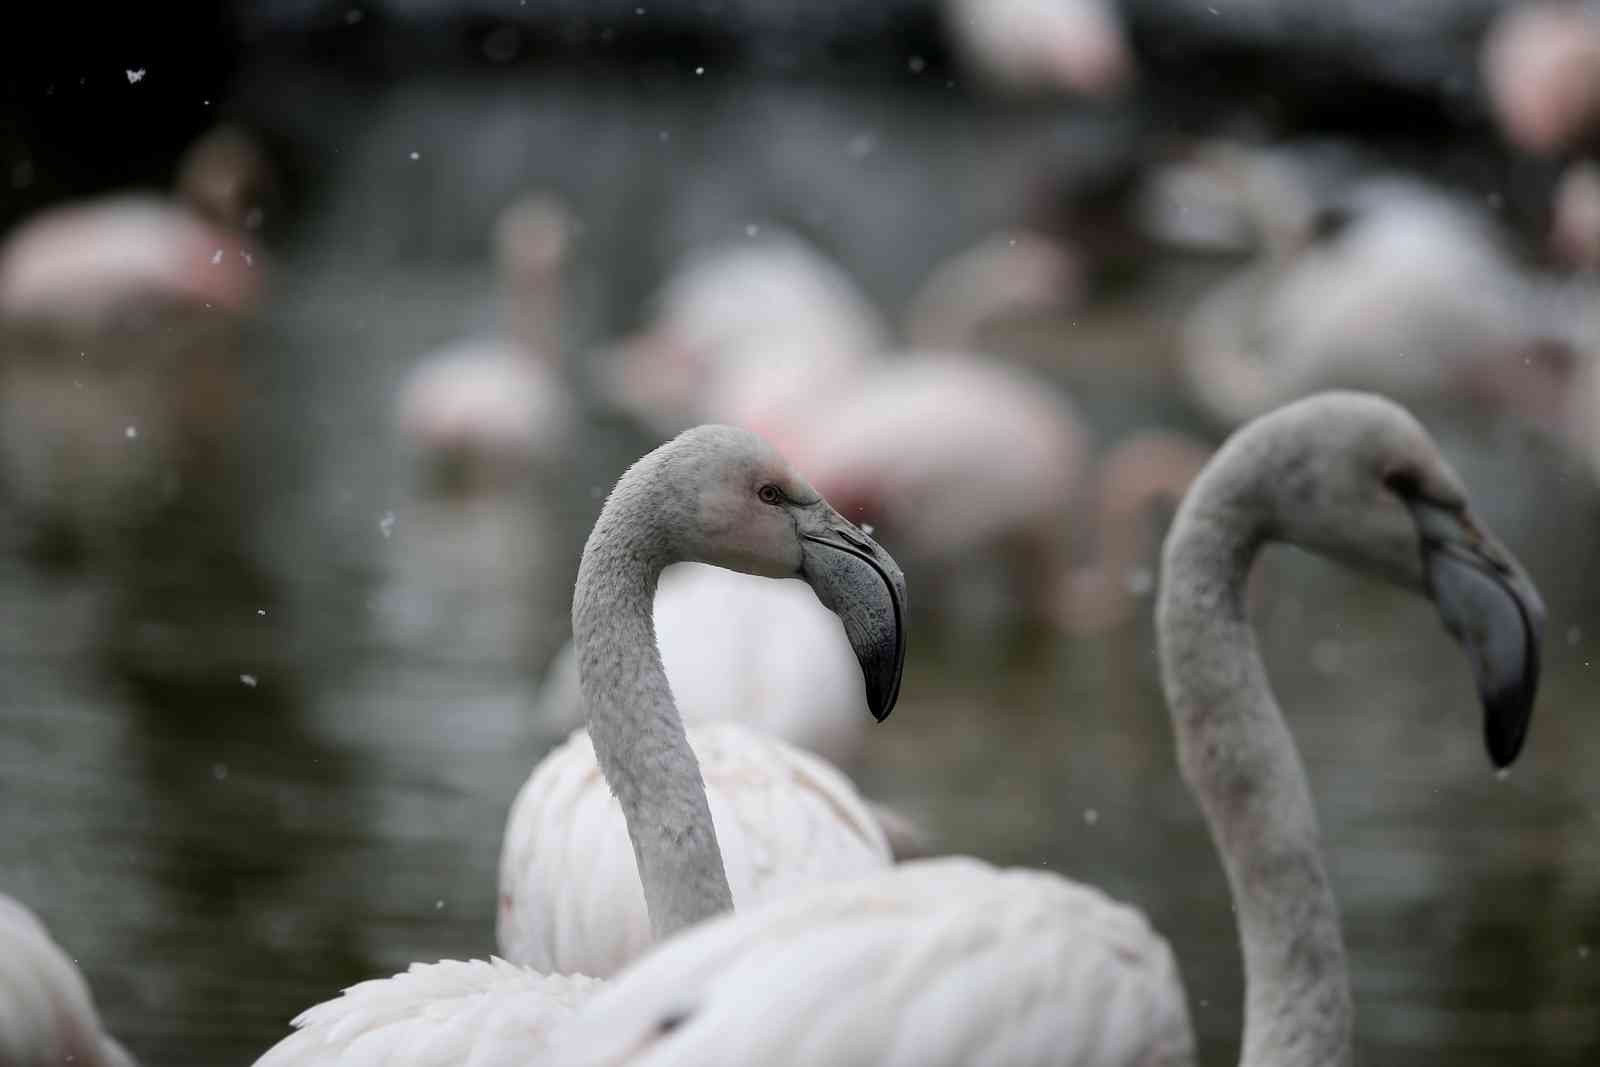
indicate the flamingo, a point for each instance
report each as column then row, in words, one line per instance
column 1226, row 197
column 484, row 413
column 1401, row 290
column 91, row 269
column 770, row 308
column 717, row 495
column 1575, row 222
column 1027, row 47
column 1012, row 272
column 47, row 1015
column 1541, row 66
column 121, row 318
column 951, row 961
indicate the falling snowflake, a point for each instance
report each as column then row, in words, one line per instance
column 131, row 432
column 386, row 524
column 415, row 155
column 135, row 76
column 1139, row 581
column 216, row 257
column 249, row 680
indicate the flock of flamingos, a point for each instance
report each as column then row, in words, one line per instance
column 690, row 878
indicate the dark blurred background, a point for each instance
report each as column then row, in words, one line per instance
column 278, row 592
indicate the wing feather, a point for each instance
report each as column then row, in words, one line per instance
column 569, row 883
column 472, row 1013
column 943, row 962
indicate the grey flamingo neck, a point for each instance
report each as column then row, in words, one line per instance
column 638, row 735
column 1241, row 763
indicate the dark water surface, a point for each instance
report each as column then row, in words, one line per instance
column 274, row 755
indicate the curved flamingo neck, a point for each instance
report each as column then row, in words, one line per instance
column 1241, row 763
column 638, row 735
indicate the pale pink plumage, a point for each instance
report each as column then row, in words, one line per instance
column 570, row 897
column 1042, row 46
column 47, row 1015
column 1541, row 63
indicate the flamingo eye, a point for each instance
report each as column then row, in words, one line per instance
column 770, row 494
column 1405, row 483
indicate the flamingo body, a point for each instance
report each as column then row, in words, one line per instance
column 78, row 268
column 475, row 1013
column 738, row 648
column 1042, row 46
column 939, row 962
column 1412, row 297
column 771, row 309
column 47, row 1015
column 570, row 897
column 948, row 451
column 486, row 407
column 483, row 414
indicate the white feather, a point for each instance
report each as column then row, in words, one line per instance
column 738, row 648
column 474, row 1013
column 942, row 962
column 47, row 1014
column 570, row 896
column 489, row 398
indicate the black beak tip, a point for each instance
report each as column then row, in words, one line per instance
column 1508, row 709
column 1504, row 746
column 1505, row 722
column 881, row 699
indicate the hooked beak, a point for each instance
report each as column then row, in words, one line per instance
column 1491, row 606
column 862, row 584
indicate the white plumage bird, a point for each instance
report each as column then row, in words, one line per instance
column 570, row 898
column 771, row 309
column 963, row 943
column 1028, row 47
column 717, row 495
column 945, row 961
column 47, row 1015
column 1400, row 289
column 474, row 1013
column 482, row 413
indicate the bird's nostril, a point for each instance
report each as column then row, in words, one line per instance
column 854, row 535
